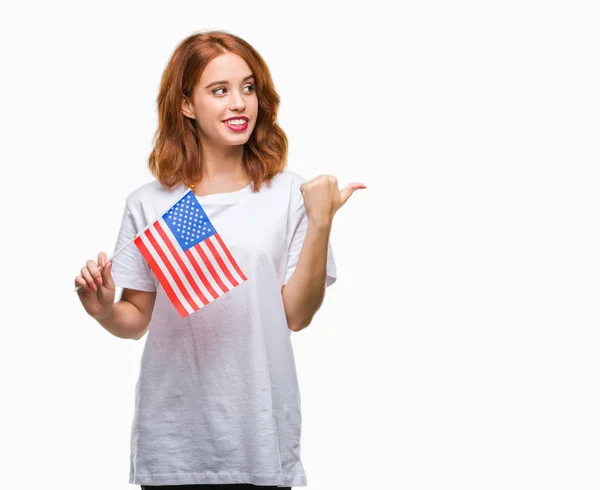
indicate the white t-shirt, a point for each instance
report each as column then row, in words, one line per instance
column 217, row 399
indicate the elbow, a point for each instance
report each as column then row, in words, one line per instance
column 296, row 326
column 140, row 334
column 302, row 321
column 299, row 316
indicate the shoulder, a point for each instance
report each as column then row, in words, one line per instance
column 290, row 177
column 149, row 200
column 288, row 182
column 153, row 194
column 147, row 192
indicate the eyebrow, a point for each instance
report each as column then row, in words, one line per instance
column 225, row 82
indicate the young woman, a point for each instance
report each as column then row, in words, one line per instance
column 217, row 399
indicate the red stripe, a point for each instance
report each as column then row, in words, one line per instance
column 181, row 264
column 169, row 266
column 198, row 270
column 230, row 257
column 160, row 276
column 218, row 258
column 211, row 269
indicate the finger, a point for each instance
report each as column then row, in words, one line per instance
column 95, row 272
column 347, row 191
column 80, row 281
column 87, row 277
column 107, row 279
column 102, row 259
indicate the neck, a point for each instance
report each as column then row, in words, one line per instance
column 223, row 164
column 222, row 170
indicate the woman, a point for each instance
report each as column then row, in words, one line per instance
column 217, row 399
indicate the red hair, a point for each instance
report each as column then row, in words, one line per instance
column 176, row 156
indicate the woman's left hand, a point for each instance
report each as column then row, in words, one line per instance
column 322, row 198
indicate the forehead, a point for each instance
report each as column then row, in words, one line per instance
column 228, row 66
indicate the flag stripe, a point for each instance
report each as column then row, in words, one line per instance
column 178, row 258
column 224, row 268
column 230, row 257
column 209, row 265
column 178, row 296
column 160, row 276
column 221, row 251
column 170, row 267
column 198, row 268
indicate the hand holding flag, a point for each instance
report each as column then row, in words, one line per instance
column 97, row 287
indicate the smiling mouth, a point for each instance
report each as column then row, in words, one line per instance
column 236, row 125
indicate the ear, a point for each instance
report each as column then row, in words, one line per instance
column 186, row 108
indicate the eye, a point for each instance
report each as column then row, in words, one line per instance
column 252, row 87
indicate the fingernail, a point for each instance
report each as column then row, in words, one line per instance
column 99, row 279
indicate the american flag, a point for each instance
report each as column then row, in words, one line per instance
column 188, row 257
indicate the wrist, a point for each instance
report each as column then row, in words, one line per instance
column 320, row 223
column 104, row 315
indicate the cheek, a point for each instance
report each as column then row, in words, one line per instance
column 209, row 115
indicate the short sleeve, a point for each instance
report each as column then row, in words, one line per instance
column 130, row 269
column 297, row 227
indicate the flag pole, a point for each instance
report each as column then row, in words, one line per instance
column 191, row 188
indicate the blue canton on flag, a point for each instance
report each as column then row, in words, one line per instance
column 188, row 222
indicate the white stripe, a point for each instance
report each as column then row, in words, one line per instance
column 209, row 277
column 173, row 260
column 165, row 271
column 214, row 263
column 228, row 262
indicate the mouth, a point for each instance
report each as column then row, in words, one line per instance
column 237, row 124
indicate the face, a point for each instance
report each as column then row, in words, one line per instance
column 224, row 91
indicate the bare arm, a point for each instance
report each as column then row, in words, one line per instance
column 304, row 292
column 129, row 318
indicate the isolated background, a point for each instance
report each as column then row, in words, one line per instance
column 459, row 348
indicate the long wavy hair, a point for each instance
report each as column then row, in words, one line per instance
column 176, row 156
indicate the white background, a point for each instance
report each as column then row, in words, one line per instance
column 459, row 348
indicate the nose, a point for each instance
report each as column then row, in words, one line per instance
column 237, row 101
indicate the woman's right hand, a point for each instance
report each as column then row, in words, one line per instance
column 97, row 291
